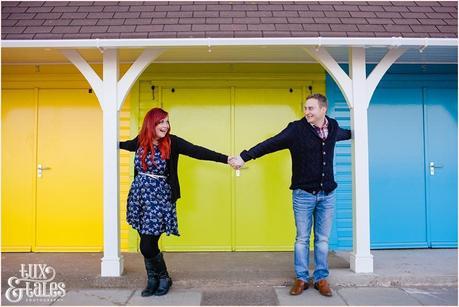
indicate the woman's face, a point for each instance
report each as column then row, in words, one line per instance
column 162, row 127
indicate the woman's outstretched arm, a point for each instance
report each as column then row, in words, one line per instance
column 130, row 145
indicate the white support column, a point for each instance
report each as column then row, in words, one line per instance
column 357, row 91
column 112, row 262
column 111, row 94
column 361, row 259
column 363, row 88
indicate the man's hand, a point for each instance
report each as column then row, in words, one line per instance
column 236, row 162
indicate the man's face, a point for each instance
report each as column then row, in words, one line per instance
column 314, row 113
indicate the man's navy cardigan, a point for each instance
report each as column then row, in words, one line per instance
column 178, row 146
column 312, row 157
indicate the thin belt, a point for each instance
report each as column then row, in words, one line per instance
column 152, row 175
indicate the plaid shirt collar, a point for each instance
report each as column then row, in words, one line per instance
column 322, row 131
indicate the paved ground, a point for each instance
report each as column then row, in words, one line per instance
column 261, row 296
column 401, row 277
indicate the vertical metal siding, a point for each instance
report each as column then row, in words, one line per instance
column 341, row 237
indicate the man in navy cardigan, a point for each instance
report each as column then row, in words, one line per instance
column 311, row 142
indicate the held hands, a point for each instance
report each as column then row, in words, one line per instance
column 236, row 162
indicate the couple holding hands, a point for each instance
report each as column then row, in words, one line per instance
column 151, row 208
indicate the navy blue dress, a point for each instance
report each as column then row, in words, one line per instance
column 149, row 207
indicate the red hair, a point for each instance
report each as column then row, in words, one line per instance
column 148, row 134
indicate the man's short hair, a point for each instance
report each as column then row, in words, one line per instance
column 323, row 102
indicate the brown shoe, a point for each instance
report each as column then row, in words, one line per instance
column 298, row 287
column 323, row 287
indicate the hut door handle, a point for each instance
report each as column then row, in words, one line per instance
column 40, row 170
column 433, row 167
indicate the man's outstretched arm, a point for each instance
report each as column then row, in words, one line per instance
column 343, row 134
column 278, row 142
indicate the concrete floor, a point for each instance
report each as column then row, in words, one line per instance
column 258, row 296
column 401, row 277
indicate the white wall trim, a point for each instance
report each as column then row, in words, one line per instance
column 208, row 42
column 218, row 62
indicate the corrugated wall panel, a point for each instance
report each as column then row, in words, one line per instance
column 125, row 174
column 341, row 237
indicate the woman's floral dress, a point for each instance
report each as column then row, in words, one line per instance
column 149, row 207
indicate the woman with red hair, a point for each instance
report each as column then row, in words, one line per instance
column 155, row 189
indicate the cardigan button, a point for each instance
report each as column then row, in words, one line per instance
column 321, row 184
column 323, row 143
column 314, row 192
column 325, row 163
column 324, row 153
column 323, row 174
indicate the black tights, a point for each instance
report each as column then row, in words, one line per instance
column 149, row 245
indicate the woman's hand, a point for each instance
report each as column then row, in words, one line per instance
column 235, row 162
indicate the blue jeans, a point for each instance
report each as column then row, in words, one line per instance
column 305, row 207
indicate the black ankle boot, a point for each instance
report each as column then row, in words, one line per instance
column 165, row 282
column 152, row 277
